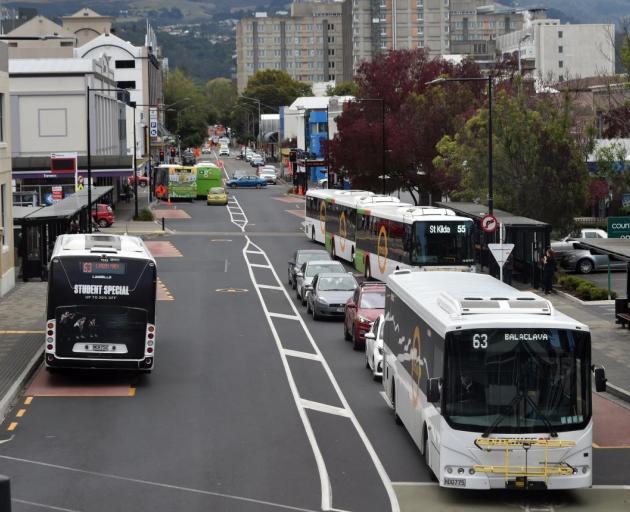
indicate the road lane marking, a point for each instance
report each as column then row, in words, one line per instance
column 303, row 355
column 28, row 400
column 259, row 265
column 328, row 409
column 285, row 317
column 158, row 484
column 21, row 413
column 12, row 426
column 269, row 287
column 254, row 252
column 21, row 332
column 42, row 505
column 231, row 290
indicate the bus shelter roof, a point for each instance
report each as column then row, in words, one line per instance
column 478, row 211
column 64, row 209
column 617, row 247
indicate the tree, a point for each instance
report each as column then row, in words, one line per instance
column 221, row 96
column 190, row 115
column 343, row 89
column 611, row 169
column 275, row 88
column 393, row 100
column 538, row 167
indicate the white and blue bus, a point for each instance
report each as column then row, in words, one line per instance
column 493, row 384
column 101, row 304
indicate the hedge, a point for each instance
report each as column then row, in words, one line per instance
column 583, row 289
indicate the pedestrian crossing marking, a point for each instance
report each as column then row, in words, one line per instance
column 162, row 291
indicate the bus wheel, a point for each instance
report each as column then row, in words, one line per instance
column 396, row 417
column 332, row 248
column 312, row 233
column 368, row 273
column 426, row 453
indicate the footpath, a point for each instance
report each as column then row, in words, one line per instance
column 124, row 218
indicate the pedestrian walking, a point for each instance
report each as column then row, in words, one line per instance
column 549, row 269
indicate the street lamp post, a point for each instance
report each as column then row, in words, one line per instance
column 488, row 80
column 258, row 102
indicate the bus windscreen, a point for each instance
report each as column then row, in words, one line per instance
column 442, row 243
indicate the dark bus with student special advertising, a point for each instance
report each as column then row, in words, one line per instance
column 493, row 384
column 101, row 304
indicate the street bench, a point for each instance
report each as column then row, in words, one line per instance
column 623, row 319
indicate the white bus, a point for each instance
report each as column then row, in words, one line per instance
column 101, row 304
column 379, row 235
column 493, row 384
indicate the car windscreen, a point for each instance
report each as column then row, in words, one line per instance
column 217, row 190
column 333, row 266
column 373, row 300
column 310, row 256
column 336, row 283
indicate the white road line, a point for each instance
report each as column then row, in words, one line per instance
column 269, row 287
column 326, row 490
column 303, row 355
column 258, row 265
column 282, row 315
column 156, row 484
column 41, row 505
column 328, row 409
column 254, row 252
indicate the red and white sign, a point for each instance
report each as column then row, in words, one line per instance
column 57, row 193
column 489, row 223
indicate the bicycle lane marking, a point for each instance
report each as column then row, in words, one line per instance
column 300, row 403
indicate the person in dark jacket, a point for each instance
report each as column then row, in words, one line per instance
column 549, row 269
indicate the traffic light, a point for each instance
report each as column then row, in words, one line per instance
column 161, row 156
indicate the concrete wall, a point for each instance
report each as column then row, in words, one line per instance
column 7, row 264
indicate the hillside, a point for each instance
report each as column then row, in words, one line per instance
column 582, row 11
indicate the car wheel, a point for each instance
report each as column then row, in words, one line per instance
column 308, row 308
column 289, row 280
column 585, row 266
column 356, row 344
column 346, row 334
column 102, row 223
column 316, row 315
column 258, row 186
column 367, row 361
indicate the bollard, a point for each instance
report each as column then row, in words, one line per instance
column 5, row 493
column 163, row 228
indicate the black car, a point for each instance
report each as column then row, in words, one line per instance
column 188, row 158
column 302, row 255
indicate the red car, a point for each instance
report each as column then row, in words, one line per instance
column 361, row 310
column 104, row 215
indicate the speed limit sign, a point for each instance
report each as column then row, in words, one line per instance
column 489, row 223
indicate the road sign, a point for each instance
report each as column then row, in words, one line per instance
column 618, row 227
column 501, row 252
column 489, row 223
column 57, row 193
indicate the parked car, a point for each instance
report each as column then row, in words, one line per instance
column 247, row 181
column 302, row 255
column 143, row 181
column 328, row 294
column 585, row 261
column 308, row 270
column 566, row 244
column 104, row 215
column 269, row 175
column 367, row 303
column 374, row 348
column 217, row 195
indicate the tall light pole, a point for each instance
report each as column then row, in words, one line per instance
column 258, row 102
column 383, row 151
column 89, row 144
column 488, row 80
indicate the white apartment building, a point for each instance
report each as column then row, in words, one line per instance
column 7, row 261
column 552, row 52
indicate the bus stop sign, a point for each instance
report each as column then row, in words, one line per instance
column 489, row 223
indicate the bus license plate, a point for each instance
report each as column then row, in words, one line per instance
column 100, row 347
column 112, row 348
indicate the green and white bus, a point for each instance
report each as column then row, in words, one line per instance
column 379, row 235
column 176, row 182
column 209, row 175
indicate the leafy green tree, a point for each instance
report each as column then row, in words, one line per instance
column 538, row 167
column 189, row 114
column 611, row 168
column 275, row 88
column 343, row 89
column 221, row 97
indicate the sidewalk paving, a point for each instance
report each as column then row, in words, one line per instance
column 22, row 316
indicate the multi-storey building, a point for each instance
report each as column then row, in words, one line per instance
column 313, row 44
column 552, row 52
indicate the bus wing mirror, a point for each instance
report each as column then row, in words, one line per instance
column 433, row 390
column 370, row 335
column 600, row 379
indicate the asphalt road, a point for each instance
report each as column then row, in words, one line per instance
column 252, row 406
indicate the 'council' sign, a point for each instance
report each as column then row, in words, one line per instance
column 618, row 227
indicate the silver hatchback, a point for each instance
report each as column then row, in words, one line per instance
column 328, row 294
